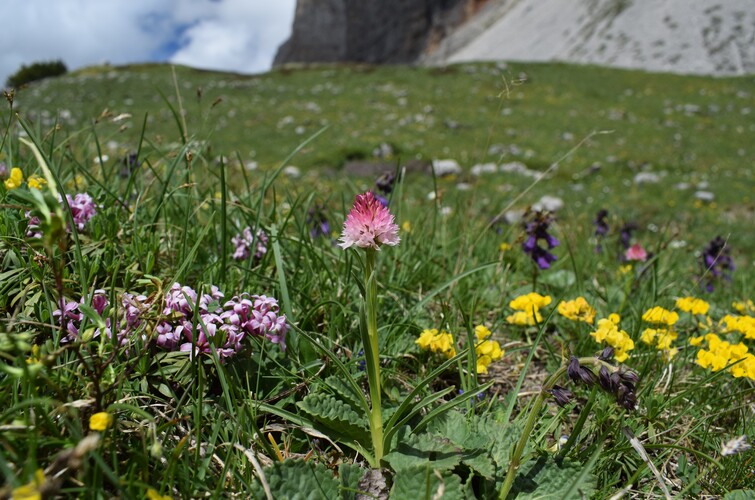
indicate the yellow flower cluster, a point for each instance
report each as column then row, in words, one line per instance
column 742, row 324
column 434, row 341
column 16, row 179
column 744, row 307
column 662, row 339
column 486, row 350
column 527, row 309
column 608, row 332
column 577, row 310
column 692, row 305
column 660, row 316
column 721, row 354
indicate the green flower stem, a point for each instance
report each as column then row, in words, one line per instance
column 516, row 457
column 372, row 355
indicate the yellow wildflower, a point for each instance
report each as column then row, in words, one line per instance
column 608, row 332
column 434, row 341
column 30, row 490
column 100, row 421
column 745, row 368
column 660, row 316
column 648, row 335
column 527, row 309
column 577, row 310
column 527, row 302
column 36, row 182
column 696, row 341
column 743, row 307
column 625, row 269
column 15, row 180
column 522, row 318
column 692, row 305
column 406, row 226
column 487, row 351
column 504, row 247
column 481, row 332
column 742, row 324
column 152, row 494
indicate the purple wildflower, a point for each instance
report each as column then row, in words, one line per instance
column 69, row 315
column 245, row 241
column 203, row 324
column 3, row 171
column 601, row 228
column 537, row 229
column 625, row 234
column 130, row 162
column 716, row 262
column 317, row 222
column 385, row 182
column 180, row 299
column 32, row 229
column 83, row 208
column 211, row 328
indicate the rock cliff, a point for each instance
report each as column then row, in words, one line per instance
column 715, row 37
column 370, row 31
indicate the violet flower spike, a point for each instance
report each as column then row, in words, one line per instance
column 536, row 230
column 369, row 224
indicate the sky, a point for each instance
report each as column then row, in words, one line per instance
column 229, row 35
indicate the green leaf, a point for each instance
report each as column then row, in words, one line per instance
column 298, row 480
column 422, row 450
column 349, row 475
column 345, row 391
column 420, row 483
column 740, row 495
column 559, row 279
column 336, row 415
column 547, row 479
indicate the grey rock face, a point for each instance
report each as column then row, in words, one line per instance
column 369, row 31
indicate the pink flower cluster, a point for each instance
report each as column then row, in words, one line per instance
column 83, row 209
column 188, row 322
column 369, row 224
column 69, row 316
column 245, row 241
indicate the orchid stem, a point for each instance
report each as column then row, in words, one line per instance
column 372, row 354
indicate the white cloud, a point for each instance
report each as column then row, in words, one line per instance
column 236, row 35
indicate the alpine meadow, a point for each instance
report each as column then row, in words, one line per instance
column 480, row 280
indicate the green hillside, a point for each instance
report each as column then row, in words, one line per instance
column 688, row 133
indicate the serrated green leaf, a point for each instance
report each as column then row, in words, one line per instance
column 336, row 415
column 344, row 390
column 740, row 495
column 421, row 450
column 547, row 479
column 501, row 436
column 298, row 480
column 349, row 475
column 420, row 483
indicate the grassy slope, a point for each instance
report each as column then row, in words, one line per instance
column 687, row 129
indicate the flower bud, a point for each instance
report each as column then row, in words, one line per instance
column 561, row 395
